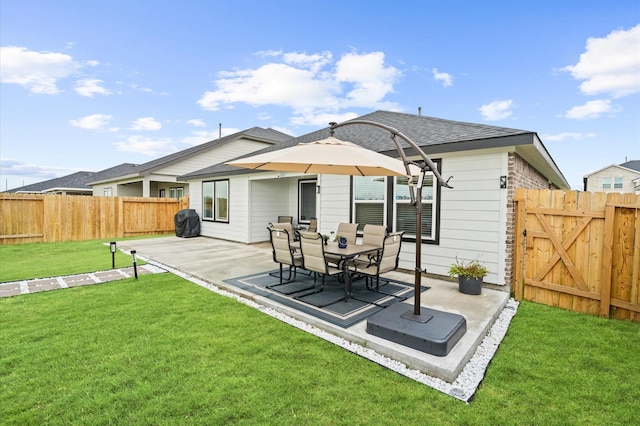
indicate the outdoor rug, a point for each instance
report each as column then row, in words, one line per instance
column 328, row 304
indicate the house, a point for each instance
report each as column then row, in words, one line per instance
column 74, row 184
column 623, row 177
column 471, row 221
column 158, row 178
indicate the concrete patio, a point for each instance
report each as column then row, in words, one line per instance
column 213, row 261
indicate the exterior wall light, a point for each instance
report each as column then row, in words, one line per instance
column 503, row 182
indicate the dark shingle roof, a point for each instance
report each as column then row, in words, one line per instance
column 633, row 165
column 431, row 134
column 119, row 170
column 77, row 180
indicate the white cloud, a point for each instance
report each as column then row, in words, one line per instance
column 147, row 146
column 9, row 167
column 610, row 65
column 497, row 110
column 38, row 72
column 89, row 87
column 592, row 109
column 136, row 86
column 146, row 123
column 94, row 121
column 196, row 122
column 576, row 136
column 322, row 119
column 445, row 78
column 308, row 84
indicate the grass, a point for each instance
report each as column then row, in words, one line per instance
column 43, row 260
column 162, row 350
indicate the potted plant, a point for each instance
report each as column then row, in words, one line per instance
column 470, row 275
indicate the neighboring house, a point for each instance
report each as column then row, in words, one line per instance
column 158, row 178
column 471, row 221
column 624, row 177
column 73, row 184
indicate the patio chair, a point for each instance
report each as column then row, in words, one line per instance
column 286, row 226
column 374, row 235
column 313, row 225
column 385, row 261
column 314, row 259
column 284, row 254
column 350, row 232
column 285, row 219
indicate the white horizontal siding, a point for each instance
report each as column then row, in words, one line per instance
column 472, row 223
column 472, row 216
column 334, row 202
column 216, row 155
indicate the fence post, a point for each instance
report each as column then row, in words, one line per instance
column 519, row 243
column 607, row 260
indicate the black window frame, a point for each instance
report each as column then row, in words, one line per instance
column 213, row 204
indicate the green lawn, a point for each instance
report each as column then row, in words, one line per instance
column 161, row 350
column 43, row 260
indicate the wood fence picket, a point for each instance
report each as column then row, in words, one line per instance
column 28, row 218
column 578, row 251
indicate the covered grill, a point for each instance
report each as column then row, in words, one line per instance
column 187, row 223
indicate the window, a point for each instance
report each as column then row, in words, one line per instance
column 307, row 203
column 606, row 183
column 377, row 203
column 162, row 193
column 215, row 200
column 369, row 197
column 405, row 213
column 107, row 192
column 617, row 183
column 176, row 192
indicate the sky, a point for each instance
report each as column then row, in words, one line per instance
column 87, row 85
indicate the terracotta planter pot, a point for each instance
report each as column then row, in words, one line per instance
column 469, row 285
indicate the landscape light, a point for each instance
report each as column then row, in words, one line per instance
column 135, row 265
column 112, row 247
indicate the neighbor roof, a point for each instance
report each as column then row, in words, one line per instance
column 77, row 181
column 432, row 135
column 633, row 165
column 255, row 133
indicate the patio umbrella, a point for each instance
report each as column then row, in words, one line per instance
column 333, row 156
column 328, row 156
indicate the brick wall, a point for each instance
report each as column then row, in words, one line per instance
column 521, row 175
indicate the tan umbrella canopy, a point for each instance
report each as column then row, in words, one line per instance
column 328, row 156
column 333, row 156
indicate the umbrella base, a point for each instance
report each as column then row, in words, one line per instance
column 437, row 336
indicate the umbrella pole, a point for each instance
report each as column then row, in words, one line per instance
column 418, row 271
column 415, row 315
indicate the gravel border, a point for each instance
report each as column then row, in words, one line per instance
column 463, row 388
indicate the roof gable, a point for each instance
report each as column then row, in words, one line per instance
column 255, row 133
column 632, row 166
column 428, row 132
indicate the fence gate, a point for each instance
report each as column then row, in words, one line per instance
column 578, row 251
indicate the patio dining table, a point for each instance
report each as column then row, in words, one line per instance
column 346, row 254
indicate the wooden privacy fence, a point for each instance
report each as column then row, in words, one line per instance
column 28, row 218
column 578, row 251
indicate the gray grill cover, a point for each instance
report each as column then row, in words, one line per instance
column 187, row 223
